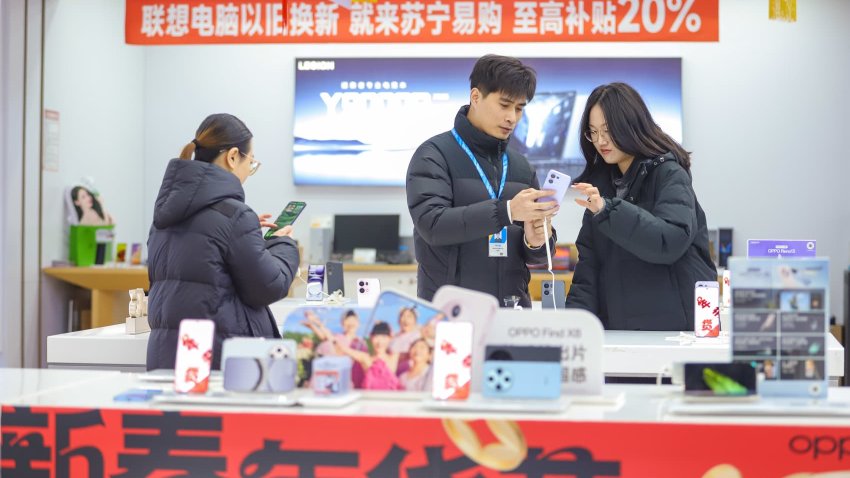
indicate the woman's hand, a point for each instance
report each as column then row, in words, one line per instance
column 283, row 231
column 264, row 221
column 593, row 200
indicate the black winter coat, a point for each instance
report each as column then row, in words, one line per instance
column 208, row 260
column 453, row 215
column 638, row 259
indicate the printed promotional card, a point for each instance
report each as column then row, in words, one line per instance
column 578, row 333
column 779, row 322
column 391, row 346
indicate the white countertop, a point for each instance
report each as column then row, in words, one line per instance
column 634, row 403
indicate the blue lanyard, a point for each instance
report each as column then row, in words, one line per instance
column 481, row 171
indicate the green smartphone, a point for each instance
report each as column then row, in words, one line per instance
column 288, row 216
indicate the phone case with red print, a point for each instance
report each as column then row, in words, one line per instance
column 194, row 356
column 452, row 361
column 707, row 309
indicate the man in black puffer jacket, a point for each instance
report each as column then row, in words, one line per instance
column 465, row 185
column 206, row 256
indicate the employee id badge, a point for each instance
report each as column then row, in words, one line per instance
column 499, row 243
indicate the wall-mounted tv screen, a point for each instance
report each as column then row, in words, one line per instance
column 358, row 121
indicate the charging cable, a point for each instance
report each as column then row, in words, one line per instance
column 661, row 373
column 549, row 259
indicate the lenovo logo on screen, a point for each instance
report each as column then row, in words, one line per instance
column 316, row 65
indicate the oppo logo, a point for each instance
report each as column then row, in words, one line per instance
column 316, row 65
column 820, row 446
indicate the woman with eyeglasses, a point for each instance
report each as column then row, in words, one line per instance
column 643, row 243
column 206, row 255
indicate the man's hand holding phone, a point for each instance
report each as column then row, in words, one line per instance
column 524, row 206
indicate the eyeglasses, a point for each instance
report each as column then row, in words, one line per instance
column 254, row 166
column 593, row 136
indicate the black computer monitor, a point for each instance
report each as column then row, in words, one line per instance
column 379, row 231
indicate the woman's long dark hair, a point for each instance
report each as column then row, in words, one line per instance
column 631, row 129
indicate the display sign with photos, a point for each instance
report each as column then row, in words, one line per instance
column 391, row 346
column 779, row 322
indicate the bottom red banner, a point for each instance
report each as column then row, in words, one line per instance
column 58, row 442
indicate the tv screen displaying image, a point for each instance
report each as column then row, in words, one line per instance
column 358, row 121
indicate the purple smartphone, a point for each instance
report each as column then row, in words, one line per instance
column 558, row 182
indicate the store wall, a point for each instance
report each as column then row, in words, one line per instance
column 96, row 83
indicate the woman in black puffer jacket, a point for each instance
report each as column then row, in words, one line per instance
column 206, row 255
column 643, row 243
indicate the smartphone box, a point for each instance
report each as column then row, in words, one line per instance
column 452, row 365
column 194, row 355
column 331, row 375
column 315, row 283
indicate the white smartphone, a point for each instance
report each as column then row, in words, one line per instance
column 707, row 309
column 452, row 361
column 368, row 290
column 477, row 308
column 194, row 355
column 558, row 182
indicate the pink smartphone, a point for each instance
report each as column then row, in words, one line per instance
column 558, row 182
column 477, row 308
column 194, row 356
column 452, row 361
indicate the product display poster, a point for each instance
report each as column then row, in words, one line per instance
column 391, row 345
column 779, row 322
column 358, row 121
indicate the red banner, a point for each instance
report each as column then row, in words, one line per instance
column 42, row 442
column 150, row 22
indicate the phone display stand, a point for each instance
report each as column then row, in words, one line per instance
column 165, row 375
column 477, row 403
column 227, row 398
column 328, row 401
column 760, row 407
column 136, row 325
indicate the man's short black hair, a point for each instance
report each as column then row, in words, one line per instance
column 504, row 74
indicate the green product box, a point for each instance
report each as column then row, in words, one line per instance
column 86, row 240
